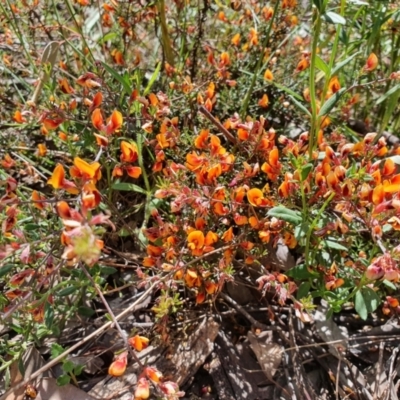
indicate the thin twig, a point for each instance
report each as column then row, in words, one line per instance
column 338, row 378
column 110, row 312
column 379, row 369
column 218, row 124
column 253, row 321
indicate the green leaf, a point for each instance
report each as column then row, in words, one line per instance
column 108, row 36
column 334, row 245
column 303, row 290
column 318, row 4
column 300, row 231
column 343, row 63
column 300, row 106
column 360, row 306
column 117, row 77
column 390, row 106
column 21, row 366
column 389, row 284
column 321, row 65
column 31, row 227
column 68, row 366
column 334, row 18
column 104, row 270
column 285, row 214
column 67, row 291
column 301, row 272
column 152, row 79
column 287, row 90
column 128, row 187
column 85, row 311
column 305, row 170
column 63, row 380
column 330, row 103
column 394, row 89
column 78, row 369
column 48, row 315
column 6, row 269
column 56, row 350
column 366, row 301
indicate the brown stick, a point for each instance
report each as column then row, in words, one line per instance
column 218, row 124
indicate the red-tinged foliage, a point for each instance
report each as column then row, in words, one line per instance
column 274, row 165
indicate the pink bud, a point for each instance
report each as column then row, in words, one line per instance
column 143, row 389
column 374, row 272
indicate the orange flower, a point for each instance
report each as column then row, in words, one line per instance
column 117, row 171
column 192, row 278
column 118, row 367
column 228, row 235
column 154, row 251
column 254, row 222
column 378, row 194
column 210, row 238
column 255, row 197
column 201, row 296
column 51, row 124
column 240, row 219
column 129, row 152
column 194, row 161
column 334, row 84
column 225, row 60
column 153, row 99
column 8, row 161
column 268, row 75
column 149, row 262
column 201, row 140
column 133, row 172
column 236, row 40
column 42, row 149
column 162, row 140
column 97, row 119
column 372, row 63
column 18, row 117
column 63, row 136
column 64, row 86
column 272, row 168
column 302, row 65
column 90, row 196
column 86, row 171
column 153, row 374
column 208, row 105
column 389, row 167
column 118, row 57
column 101, row 140
column 63, row 210
column 58, row 177
column 210, row 287
column 37, row 199
column 290, row 240
column 253, row 37
column 196, row 241
column 264, row 101
column 210, row 90
column 142, row 391
column 139, row 343
column 114, row 123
